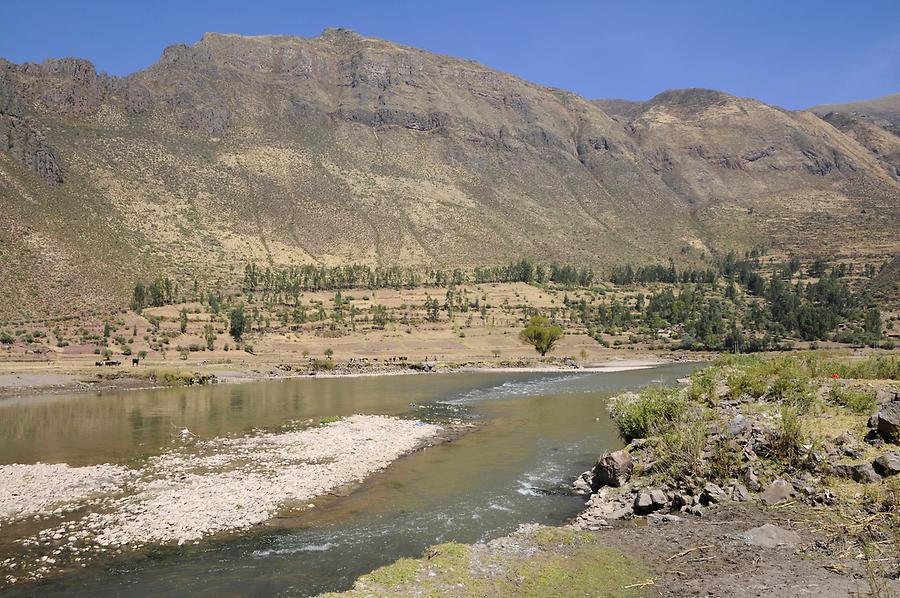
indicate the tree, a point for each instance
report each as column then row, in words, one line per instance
column 238, row 322
column 873, row 322
column 209, row 333
column 183, row 321
column 541, row 334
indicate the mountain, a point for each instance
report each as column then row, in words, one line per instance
column 873, row 123
column 343, row 148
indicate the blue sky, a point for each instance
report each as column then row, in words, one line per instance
column 792, row 53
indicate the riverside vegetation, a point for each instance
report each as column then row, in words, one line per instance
column 356, row 318
column 792, row 461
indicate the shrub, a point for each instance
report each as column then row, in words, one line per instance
column 653, row 411
column 787, row 439
column 703, row 386
column 679, row 452
column 330, row 420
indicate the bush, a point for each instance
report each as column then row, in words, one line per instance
column 787, row 439
column 703, row 386
column 653, row 411
column 679, row 454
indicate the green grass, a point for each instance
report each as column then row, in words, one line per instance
column 548, row 562
column 329, row 420
column 858, row 400
column 654, row 411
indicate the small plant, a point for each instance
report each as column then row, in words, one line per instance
column 329, row 420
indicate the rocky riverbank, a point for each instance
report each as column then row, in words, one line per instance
column 195, row 490
column 756, row 476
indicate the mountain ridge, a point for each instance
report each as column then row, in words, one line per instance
column 343, row 148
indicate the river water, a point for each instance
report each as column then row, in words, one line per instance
column 536, row 432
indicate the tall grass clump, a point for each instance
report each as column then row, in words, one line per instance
column 654, row 411
column 787, row 439
column 679, row 451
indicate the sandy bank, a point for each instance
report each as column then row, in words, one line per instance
column 199, row 488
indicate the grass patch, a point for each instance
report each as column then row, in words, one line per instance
column 566, row 563
column 654, row 411
column 857, row 400
column 329, row 420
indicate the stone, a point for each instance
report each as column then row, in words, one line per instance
column 643, row 503
column 663, row 518
column 771, row 536
column 889, row 422
column 778, row 491
column 738, row 425
column 887, row 394
column 582, row 486
column 887, row 464
column 740, row 493
column 863, row 473
column 612, row 469
column 659, row 498
column 713, row 493
column 752, row 480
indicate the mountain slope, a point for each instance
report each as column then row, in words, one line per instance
column 343, row 148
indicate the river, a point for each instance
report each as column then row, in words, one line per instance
column 536, row 432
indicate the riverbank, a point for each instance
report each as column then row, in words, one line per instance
column 59, row 518
column 29, row 378
column 755, row 477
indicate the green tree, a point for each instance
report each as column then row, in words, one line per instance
column 238, row 322
column 209, row 333
column 541, row 334
column 873, row 322
column 183, row 321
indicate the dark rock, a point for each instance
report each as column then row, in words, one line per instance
column 888, row 424
column 874, row 438
column 612, row 469
column 887, row 464
column 863, row 473
column 643, row 503
column 777, row 492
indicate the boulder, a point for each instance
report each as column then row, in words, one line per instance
column 612, row 469
column 864, row 473
column 887, row 464
column 777, row 492
column 713, row 493
column 659, row 498
column 770, row 536
column 887, row 394
column 643, row 503
column 740, row 493
column 888, row 424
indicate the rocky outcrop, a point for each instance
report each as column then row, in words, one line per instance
column 612, row 469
